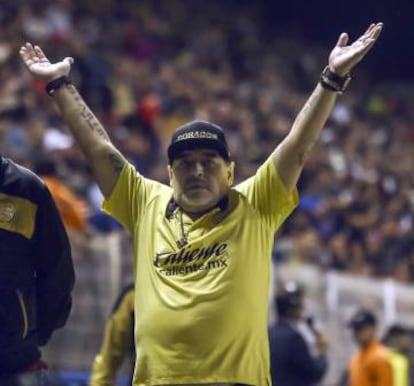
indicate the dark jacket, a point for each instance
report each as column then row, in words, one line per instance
column 290, row 359
column 36, row 269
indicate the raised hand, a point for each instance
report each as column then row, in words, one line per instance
column 39, row 65
column 344, row 57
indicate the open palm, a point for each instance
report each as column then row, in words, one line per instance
column 39, row 65
column 344, row 57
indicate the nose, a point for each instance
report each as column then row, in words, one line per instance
column 198, row 169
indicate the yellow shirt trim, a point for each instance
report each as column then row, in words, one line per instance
column 17, row 215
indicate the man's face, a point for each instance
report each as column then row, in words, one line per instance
column 200, row 178
column 364, row 335
column 403, row 342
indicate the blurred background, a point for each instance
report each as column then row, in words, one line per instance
column 146, row 67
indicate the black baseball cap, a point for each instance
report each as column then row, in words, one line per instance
column 397, row 330
column 362, row 318
column 198, row 134
column 289, row 297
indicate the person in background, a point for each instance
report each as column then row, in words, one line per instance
column 297, row 349
column 398, row 340
column 118, row 341
column 371, row 364
column 71, row 208
column 36, row 274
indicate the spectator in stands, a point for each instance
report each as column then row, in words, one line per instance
column 398, row 340
column 298, row 351
column 118, row 341
column 71, row 208
column 371, row 365
column 36, row 274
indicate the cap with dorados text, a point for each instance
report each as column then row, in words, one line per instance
column 198, row 134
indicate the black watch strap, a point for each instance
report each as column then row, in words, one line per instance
column 334, row 82
column 57, row 83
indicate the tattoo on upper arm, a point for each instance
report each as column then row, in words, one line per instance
column 117, row 161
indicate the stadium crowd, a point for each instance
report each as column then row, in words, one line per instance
column 147, row 67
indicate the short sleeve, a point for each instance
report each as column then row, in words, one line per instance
column 130, row 196
column 266, row 192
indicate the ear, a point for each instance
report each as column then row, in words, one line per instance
column 230, row 172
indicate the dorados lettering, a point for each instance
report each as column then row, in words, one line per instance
column 196, row 135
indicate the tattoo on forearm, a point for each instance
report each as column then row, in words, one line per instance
column 117, row 161
column 87, row 115
column 92, row 122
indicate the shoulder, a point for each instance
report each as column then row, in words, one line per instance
column 266, row 171
column 127, row 295
column 20, row 181
column 381, row 354
column 283, row 330
column 130, row 177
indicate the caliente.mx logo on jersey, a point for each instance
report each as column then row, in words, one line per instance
column 192, row 259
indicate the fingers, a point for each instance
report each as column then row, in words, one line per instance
column 344, row 57
column 25, row 51
column 377, row 30
column 372, row 32
column 69, row 60
column 367, row 40
column 34, row 54
column 28, row 49
column 34, row 59
column 39, row 53
column 371, row 26
column 366, row 47
column 28, row 54
column 343, row 40
column 39, row 65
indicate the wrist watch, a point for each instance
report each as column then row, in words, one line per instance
column 334, row 82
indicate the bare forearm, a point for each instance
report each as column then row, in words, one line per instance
column 312, row 118
column 290, row 155
column 84, row 125
column 106, row 161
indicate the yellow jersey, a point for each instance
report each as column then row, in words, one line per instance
column 117, row 343
column 201, row 308
column 400, row 368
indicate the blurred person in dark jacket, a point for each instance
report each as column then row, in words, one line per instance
column 118, row 341
column 36, row 274
column 297, row 348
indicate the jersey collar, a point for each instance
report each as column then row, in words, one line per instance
column 172, row 206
